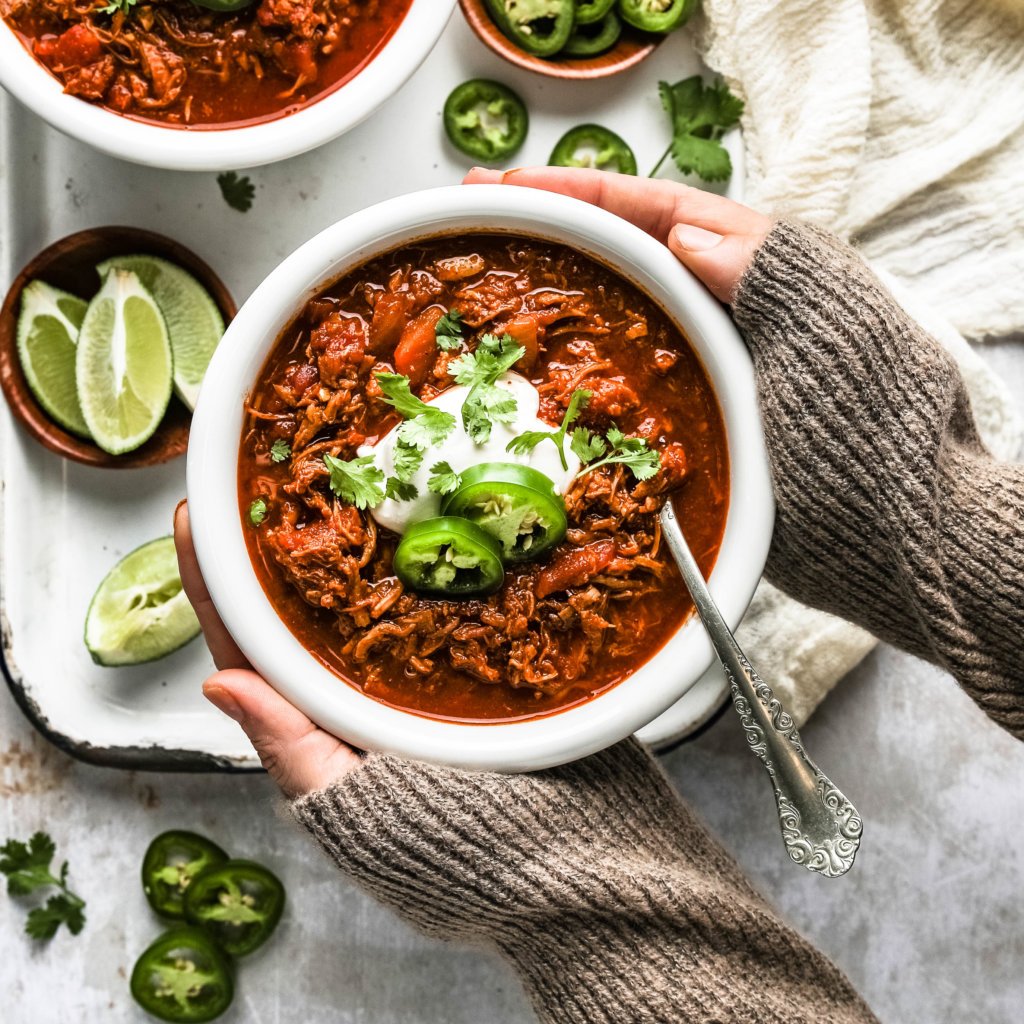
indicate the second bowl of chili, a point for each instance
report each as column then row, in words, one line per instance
column 583, row 641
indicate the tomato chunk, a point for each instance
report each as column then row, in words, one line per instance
column 575, row 567
column 74, row 48
column 417, row 348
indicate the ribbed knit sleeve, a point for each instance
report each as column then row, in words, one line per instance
column 891, row 513
column 610, row 900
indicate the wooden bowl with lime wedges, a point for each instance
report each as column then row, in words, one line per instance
column 104, row 339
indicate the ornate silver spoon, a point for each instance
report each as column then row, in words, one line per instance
column 820, row 827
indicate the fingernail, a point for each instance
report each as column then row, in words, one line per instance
column 181, row 504
column 508, row 174
column 694, row 239
column 223, row 700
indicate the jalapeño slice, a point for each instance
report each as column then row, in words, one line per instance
column 540, row 27
column 515, row 504
column 183, row 978
column 589, row 11
column 657, row 15
column 592, row 145
column 449, row 557
column 594, row 38
column 485, row 119
column 238, row 903
column 170, row 865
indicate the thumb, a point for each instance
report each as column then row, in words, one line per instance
column 718, row 260
column 299, row 756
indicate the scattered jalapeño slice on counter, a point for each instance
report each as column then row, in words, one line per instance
column 171, row 864
column 485, row 119
column 592, row 145
column 589, row 11
column 239, row 903
column 449, row 557
column 515, row 504
column 183, row 978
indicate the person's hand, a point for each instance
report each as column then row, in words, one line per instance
column 712, row 236
column 299, row 756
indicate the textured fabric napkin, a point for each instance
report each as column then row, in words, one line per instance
column 898, row 124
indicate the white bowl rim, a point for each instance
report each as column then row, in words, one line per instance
column 232, row 148
column 218, row 532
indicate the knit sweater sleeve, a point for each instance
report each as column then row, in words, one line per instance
column 609, row 899
column 891, row 513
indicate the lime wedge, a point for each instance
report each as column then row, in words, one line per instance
column 140, row 613
column 47, row 334
column 193, row 319
column 123, row 364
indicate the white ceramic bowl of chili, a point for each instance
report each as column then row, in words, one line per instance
column 211, row 149
column 213, row 472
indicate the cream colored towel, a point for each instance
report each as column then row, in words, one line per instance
column 896, row 124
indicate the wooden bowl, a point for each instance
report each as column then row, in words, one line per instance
column 632, row 47
column 70, row 264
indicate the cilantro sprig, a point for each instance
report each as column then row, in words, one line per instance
column 443, row 479
column 280, row 450
column 357, row 481
column 700, row 115
column 523, row 444
column 400, row 490
column 486, row 403
column 614, row 448
column 27, row 868
column 424, row 426
column 448, row 332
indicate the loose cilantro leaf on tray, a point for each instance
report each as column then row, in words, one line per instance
column 27, row 868
column 448, row 332
column 632, row 452
column 280, row 450
column 238, row 192
column 357, row 481
column 443, row 479
column 700, row 115
column 486, row 403
column 524, row 443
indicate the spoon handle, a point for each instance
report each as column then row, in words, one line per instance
column 820, row 827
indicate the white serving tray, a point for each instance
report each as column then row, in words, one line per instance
column 62, row 525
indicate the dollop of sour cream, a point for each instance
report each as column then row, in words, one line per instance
column 460, row 451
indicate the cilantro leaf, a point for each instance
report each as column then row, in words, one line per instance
column 238, row 192
column 27, row 866
column 118, row 5
column 587, row 445
column 400, row 490
column 424, row 425
column 486, row 403
column 356, row 481
column 408, row 460
column 443, row 479
column 258, row 511
column 700, row 115
column 448, row 332
column 632, row 452
column 64, row 908
column 280, row 450
column 526, row 442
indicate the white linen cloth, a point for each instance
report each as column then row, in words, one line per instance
column 898, row 125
